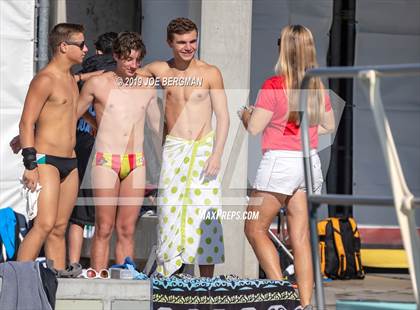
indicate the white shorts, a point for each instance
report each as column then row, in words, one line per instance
column 282, row 172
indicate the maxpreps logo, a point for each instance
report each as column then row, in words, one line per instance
column 228, row 215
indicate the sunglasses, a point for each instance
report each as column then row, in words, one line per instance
column 93, row 274
column 80, row 45
column 278, row 41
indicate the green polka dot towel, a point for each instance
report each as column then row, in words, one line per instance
column 190, row 231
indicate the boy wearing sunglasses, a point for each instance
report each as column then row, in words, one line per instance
column 47, row 135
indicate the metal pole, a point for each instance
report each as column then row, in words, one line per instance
column 358, row 71
column 43, row 28
column 304, row 131
column 319, row 290
column 349, row 29
column 313, row 207
column 139, row 14
column 333, row 59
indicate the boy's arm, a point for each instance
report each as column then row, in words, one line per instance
column 38, row 94
column 151, row 70
column 154, row 120
column 219, row 105
column 83, row 77
column 154, row 114
column 86, row 97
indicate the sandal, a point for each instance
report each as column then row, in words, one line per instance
column 72, row 271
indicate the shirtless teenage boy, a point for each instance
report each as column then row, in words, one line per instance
column 121, row 104
column 189, row 186
column 48, row 134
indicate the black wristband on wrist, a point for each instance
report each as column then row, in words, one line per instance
column 29, row 158
column 30, row 165
column 28, row 151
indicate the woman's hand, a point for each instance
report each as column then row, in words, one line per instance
column 245, row 115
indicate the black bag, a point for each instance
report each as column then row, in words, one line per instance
column 339, row 248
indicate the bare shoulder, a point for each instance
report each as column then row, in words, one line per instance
column 212, row 73
column 210, row 70
column 44, row 78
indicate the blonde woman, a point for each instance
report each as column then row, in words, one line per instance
column 280, row 177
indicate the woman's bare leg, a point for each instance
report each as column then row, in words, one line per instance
column 257, row 231
column 298, row 228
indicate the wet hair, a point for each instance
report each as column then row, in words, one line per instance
column 126, row 42
column 63, row 32
column 180, row 25
column 104, row 42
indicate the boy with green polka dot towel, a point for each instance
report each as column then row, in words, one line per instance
column 189, row 205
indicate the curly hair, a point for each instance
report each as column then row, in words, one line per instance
column 180, row 25
column 126, row 42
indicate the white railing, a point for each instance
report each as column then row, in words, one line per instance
column 402, row 200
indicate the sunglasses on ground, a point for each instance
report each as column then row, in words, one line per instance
column 80, row 45
column 93, row 274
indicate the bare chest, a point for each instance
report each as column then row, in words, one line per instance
column 191, row 95
column 63, row 100
column 127, row 103
column 185, row 87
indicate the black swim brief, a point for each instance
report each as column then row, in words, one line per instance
column 64, row 165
